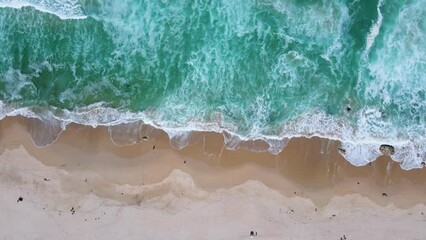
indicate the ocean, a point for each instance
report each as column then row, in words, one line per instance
column 267, row 70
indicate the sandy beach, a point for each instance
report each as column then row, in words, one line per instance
column 85, row 187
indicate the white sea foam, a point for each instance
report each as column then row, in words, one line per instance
column 361, row 147
column 375, row 29
column 64, row 9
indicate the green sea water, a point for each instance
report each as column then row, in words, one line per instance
column 353, row 70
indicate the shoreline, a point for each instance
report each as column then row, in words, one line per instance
column 308, row 182
column 311, row 163
column 47, row 123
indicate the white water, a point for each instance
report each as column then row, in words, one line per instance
column 375, row 29
column 64, row 9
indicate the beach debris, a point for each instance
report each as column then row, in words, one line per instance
column 153, row 147
column 332, row 216
column 387, row 149
column 144, row 138
column 20, row 199
column 343, row 238
column 342, row 151
column 184, row 162
column 348, row 108
column 72, row 211
column 423, row 164
column 253, row 234
column 46, row 179
column 316, row 210
column 357, row 183
column 384, row 194
column 85, row 180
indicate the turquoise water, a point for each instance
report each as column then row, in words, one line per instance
column 267, row 69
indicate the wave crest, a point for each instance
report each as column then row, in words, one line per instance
column 64, row 9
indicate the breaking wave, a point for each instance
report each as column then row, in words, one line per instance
column 64, row 9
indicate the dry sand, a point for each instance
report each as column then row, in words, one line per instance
column 85, row 187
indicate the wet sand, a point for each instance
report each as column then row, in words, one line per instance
column 83, row 186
